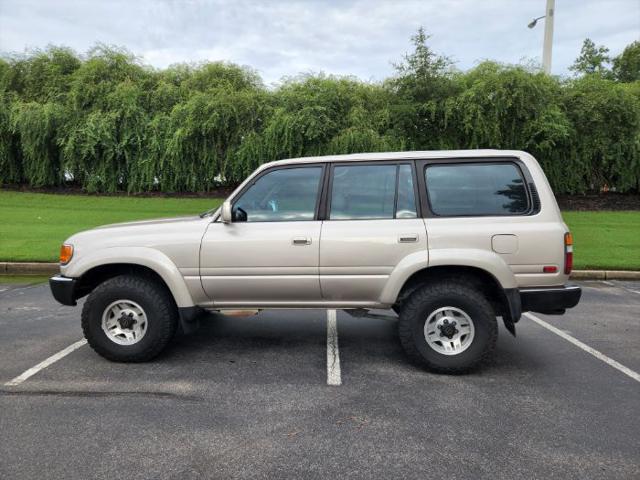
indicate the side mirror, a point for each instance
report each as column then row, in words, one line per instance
column 226, row 214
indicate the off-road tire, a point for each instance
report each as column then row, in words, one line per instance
column 452, row 293
column 155, row 300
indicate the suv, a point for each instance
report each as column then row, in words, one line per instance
column 449, row 240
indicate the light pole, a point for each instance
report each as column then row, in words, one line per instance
column 548, row 35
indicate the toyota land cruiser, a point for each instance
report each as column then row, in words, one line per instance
column 450, row 240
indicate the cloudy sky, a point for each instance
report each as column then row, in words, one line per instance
column 286, row 37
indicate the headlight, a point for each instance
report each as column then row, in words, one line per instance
column 66, row 253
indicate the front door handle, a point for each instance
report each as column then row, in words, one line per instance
column 408, row 238
column 301, row 241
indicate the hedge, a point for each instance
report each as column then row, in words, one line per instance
column 108, row 123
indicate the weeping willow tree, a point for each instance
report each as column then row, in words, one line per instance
column 45, row 75
column 104, row 149
column 317, row 115
column 249, row 154
column 507, row 107
column 108, row 123
column 356, row 140
column 202, row 135
column 605, row 147
column 37, row 126
column 10, row 151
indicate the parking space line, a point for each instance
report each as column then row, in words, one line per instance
column 44, row 364
column 333, row 354
column 585, row 347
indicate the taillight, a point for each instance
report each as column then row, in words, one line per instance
column 568, row 253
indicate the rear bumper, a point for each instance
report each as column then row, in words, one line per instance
column 552, row 300
column 63, row 289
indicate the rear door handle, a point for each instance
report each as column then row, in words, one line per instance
column 301, row 241
column 408, row 238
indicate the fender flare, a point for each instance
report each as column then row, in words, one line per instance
column 144, row 256
column 487, row 261
column 490, row 262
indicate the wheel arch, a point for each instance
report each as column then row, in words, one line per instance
column 505, row 301
column 103, row 264
column 94, row 276
column 89, row 280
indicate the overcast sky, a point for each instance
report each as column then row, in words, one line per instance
column 283, row 38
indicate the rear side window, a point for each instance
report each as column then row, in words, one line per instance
column 361, row 192
column 465, row 189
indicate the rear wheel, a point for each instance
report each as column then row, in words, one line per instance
column 129, row 319
column 448, row 327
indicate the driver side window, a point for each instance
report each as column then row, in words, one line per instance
column 284, row 195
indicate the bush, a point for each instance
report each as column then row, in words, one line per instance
column 108, row 123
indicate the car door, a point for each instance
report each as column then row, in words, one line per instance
column 371, row 224
column 269, row 254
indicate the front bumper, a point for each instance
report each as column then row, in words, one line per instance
column 63, row 289
column 551, row 300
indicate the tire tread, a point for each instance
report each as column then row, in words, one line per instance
column 155, row 294
column 428, row 293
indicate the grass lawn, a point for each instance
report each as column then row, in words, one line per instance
column 22, row 279
column 33, row 225
column 605, row 240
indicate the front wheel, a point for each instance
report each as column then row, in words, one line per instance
column 448, row 327
column 129, row 319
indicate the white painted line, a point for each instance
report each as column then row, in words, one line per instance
column 333, row 354
column 42, row 365
column 586, row 348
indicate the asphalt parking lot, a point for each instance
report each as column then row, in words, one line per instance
column 248, row 398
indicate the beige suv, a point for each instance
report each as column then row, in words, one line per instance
column 449, row 240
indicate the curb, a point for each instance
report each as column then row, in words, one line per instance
column 39, row 268
column 29, row 268
column 605, row 275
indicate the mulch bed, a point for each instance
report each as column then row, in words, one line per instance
column 602, row 201
column 590, row 202
column 219, row 192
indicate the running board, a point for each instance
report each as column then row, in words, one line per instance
column 364, row 313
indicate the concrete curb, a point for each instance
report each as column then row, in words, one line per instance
column 29, row 268
column 37, row 268
column 605, row 275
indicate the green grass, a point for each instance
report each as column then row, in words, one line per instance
column 605, row 240
column 33, row 225
column 22, row 279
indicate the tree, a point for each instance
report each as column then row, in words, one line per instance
column 592, row 60
column 109, row 123
column 423, row 75
column 626, row 66
column 423, row 82
column 422, row 62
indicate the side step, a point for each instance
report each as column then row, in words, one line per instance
column 238, row 313
column 364, row 313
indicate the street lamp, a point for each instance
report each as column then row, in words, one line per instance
column 548, row 35
column 534, row 22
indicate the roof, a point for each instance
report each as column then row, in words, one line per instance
column 379, row 156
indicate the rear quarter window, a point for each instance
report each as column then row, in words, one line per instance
column 476, row 189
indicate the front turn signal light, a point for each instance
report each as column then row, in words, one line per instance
column 66, row 253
